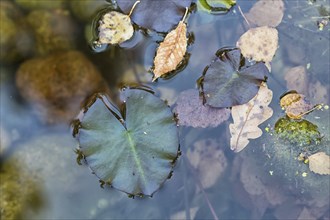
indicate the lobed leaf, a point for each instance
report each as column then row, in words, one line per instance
column 248, row 117
column 226, row 82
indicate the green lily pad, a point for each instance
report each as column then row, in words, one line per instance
column 228, row 81
column 134, row 150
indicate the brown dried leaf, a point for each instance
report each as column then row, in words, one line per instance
column 295, row 105
column 296, row 79
column 248, row 116
column 259, row 44
column 266, row 13
column 171, row 51
column 114, row 28
column 319, row 163
column 208, row 160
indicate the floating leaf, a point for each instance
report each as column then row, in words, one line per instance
column 259, row 44
column 247, row 117
column 191, row 111
column 266, row 13
column 114, row 28
column 160, row 16
column 204, row 155
column 216, row 6
column 319, row 163
column 226, row 82
column 171, row 51
column 295, row 105
column 133, row 151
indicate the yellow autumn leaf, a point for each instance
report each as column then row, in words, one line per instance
column 115, row 28
column 319, row 163
column 248, row 116
column 171, row 51
column 259, row 44
column 296, row 105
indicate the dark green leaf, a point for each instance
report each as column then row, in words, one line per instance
column 228, row 81
column 134, row 154
column 160, row 16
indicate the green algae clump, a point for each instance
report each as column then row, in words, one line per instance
column 53, row 30
column 300, row 133
column 19, row 192
column 16, row 41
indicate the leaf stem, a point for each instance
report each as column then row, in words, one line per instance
column 185, row 14
column 318, row 106
column 246, row 20
column 133, row 7
column 200, row 185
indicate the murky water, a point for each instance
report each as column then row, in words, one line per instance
column 39, row 163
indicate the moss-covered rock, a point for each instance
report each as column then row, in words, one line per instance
column 41, row 4
column 84, row 10
column 15, row 41
column 57, row 84
column 53, row 30
column 19, row 191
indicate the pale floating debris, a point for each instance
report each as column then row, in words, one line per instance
column 248, row 116
column 319, row 163
column 259, row 44
column 114, row 28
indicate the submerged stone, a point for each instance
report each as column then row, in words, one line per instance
column 41, row 4
column 16, row 42
column 56, row 85
column 53, row 30
column 19, row 189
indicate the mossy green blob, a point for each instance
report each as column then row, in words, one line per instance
column 41, row 4
column 16, row 41
column 19, row 191
column 300, row 133
column 53, row 31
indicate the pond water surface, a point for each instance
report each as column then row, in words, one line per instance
column 41, row 179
